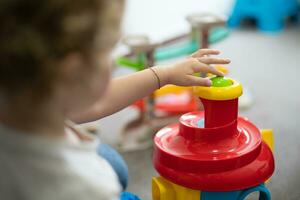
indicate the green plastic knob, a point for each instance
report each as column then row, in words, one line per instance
column 220, row 81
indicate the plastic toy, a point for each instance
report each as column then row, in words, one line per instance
column 173, row 48
column 214, row 154
column 205, row 29
column 269, row 14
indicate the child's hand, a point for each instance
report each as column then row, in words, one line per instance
column 182, row 73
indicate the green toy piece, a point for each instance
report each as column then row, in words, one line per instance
column 219, row 81
column 136, row 64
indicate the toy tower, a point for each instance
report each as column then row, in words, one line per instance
column 214, row 154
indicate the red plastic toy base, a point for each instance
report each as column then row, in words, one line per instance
column 225, row 158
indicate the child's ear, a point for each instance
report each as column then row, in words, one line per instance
column 71, row 68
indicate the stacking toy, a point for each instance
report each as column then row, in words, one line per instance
column 214, row 154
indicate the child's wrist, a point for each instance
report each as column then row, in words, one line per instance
column 162, row 75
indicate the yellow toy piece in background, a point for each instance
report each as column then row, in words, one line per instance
column 171, row 89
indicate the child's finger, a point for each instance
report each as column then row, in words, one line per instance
column 198, row 81
column 205, row 52
column 209, row 61
column 201, row 67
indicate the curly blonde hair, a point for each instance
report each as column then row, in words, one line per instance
column 34, row 34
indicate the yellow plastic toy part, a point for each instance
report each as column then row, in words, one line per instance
column 219, row 93
column 268, row 137
column 171, row 89
column 220, row 68
column 163, row 189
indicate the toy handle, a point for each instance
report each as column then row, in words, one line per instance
column 264, row 193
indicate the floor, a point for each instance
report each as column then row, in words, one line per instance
column 269, row 65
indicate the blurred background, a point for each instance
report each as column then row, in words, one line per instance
column 267, row 63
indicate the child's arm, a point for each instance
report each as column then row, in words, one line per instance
column 125, row 90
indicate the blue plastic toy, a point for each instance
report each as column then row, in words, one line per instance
column 128, row 196
column 269, row 14
column 264, row 194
